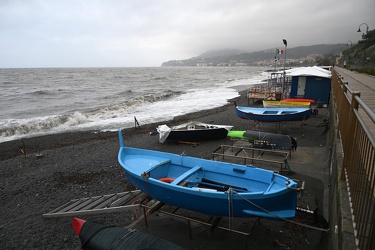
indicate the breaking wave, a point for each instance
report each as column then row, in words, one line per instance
column 16, row 128
column 48, row 101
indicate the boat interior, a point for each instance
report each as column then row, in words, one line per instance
column 236, row 178
column 276, row 112
column 197, row 127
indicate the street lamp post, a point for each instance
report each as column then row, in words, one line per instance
column 285, row 43
column 364, row 49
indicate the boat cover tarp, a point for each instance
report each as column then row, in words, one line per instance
column 270, row 140
column 164, row 130
column 97, row 236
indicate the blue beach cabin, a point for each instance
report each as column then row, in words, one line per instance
column 311, row 83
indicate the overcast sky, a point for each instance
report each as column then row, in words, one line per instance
column 137, row 33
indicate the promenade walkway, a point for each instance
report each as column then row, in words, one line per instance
column 364, row 84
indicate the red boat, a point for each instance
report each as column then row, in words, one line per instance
column 298, row 100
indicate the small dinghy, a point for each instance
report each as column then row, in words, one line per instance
column 273, row 114
column 285, row 104
column 192, row 132
column 260, row 139
column 207, row 186
column 298, row 100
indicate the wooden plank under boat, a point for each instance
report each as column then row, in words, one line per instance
column 210, row 187
column 273, row 114
column 280, row 104
column 192, row 131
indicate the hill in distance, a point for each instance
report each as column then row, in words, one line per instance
column 302, row 55
column 223, row 52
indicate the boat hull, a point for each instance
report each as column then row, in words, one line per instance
column 97, row 236
column 298, row 100
column 198, row 135
column 273, row 114
column 260, row 139
column 209, row 187
column 291, row 104
column 193, row 132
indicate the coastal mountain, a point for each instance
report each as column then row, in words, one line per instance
column 223, row 52
column 302, row 55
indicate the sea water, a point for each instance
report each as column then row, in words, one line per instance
column 53, row 100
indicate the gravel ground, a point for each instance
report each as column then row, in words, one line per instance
column 58, row 168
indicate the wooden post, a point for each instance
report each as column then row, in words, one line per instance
column 24, row 148
column 136, row 123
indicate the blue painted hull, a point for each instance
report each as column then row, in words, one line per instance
column 209, row 187
column 273, row 114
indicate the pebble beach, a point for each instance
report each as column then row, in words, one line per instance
column 41, row 173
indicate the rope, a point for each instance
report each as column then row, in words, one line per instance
column 287, row 186
column 297, row 189
column 287, row 164
column 281, row 218
column 134, row 211
column 230, row 207
column 243, row 150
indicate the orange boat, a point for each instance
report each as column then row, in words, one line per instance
column 298, row 100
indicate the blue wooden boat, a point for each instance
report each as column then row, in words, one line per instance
column 273, row 114
column 210, row 187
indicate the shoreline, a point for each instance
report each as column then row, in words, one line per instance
column 34, row 144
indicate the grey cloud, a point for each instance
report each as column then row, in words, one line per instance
column 146, row 33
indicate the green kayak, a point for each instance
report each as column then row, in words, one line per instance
column 238, row 134
column 265, row 139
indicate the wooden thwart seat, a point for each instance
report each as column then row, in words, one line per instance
column 161, row 163
column 186, row 175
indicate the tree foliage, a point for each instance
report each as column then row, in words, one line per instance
column 359, row 57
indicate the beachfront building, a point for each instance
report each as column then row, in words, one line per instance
column 311, row 83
